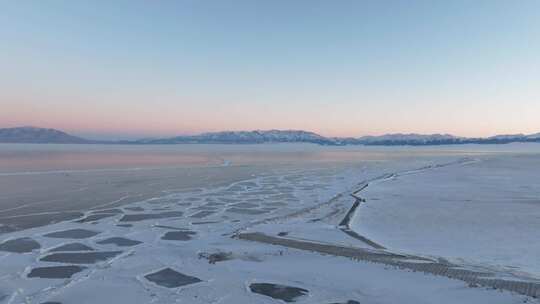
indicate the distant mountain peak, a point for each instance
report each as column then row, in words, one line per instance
column 534, row 136
column 30, row 134
column 249, row 137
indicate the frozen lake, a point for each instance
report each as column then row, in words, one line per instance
column 40, row 184
column 158, row 221
column 486, row 212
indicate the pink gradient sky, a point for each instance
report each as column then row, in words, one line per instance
column 136, row 69
column 109, row 120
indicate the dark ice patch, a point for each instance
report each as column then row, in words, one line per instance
column 72, row 247
column 36, row 220
column 136, row 209
column 348, row 302
column 171, row 279
column 228, row 200
column 159, row 201
column 202, row 214
column 169, row 227
column 80, row 257
column 277, row 291
column 95, row 217
column 262, row 192
column 204, row 207
column 276, row 204
column 218, row 194
column 254, row 200
column 72, row 234
column 150, row 216
column 55, row 272
column 20, row 245
column 205, row 222
column 246, row 211
column 161, row 208
column 245, row 205
column 281, row 197
column 124, row 225
column 7, row 229
column 110, row 211
column 178, row 235
column 192, row 190
column 285, row 188
column 119, row 241
column 214, row 204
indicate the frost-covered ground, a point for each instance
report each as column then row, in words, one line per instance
column 179, row 247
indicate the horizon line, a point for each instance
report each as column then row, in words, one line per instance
column 141, row 137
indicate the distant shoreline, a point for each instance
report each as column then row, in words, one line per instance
column 400, row 144
column 34, row 135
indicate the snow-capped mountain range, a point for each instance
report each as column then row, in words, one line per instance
column 38, row 135
column 41, row 135
column 247, row 137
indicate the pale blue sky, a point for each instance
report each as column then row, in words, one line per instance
column 348, row 68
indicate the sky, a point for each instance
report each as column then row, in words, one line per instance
column 129, row 69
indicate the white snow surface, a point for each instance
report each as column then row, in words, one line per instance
column 386, row 218
column 482, row 213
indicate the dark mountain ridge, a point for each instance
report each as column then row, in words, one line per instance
column 38, row 135
column 42, row 135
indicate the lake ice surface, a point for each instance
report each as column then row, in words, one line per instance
column 480, row 212
column 486, row 212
